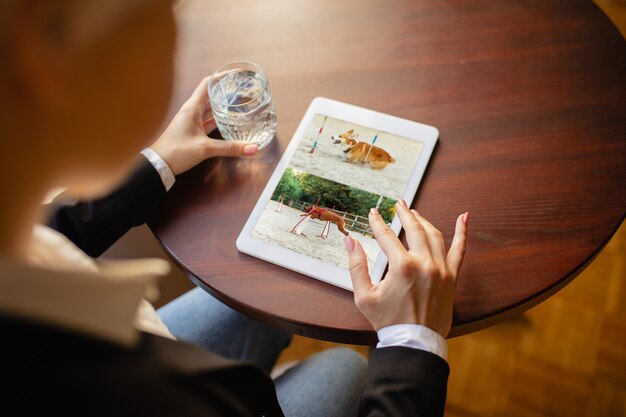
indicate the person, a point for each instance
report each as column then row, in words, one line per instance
column 83, row 84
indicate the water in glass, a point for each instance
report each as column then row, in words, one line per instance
column 242, row 106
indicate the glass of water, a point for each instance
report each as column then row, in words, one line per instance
column 242, row 104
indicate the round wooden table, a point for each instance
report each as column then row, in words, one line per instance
column 530, row 100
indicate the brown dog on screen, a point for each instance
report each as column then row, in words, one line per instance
column 326, row 215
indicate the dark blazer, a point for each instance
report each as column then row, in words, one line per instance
column 95, row 225
column 49, row 369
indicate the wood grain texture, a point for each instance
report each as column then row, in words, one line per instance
column 530, row 100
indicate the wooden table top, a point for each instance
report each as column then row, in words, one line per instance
column 530, row 101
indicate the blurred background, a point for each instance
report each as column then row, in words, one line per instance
column 565, row 357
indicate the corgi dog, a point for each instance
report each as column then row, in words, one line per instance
column 356, row 151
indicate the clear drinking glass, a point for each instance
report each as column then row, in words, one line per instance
column 242, row 104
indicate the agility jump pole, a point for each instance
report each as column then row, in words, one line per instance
column 280, row 204
column 306, row 215
column 370, row 149
column 314, row 147
column 380, row 201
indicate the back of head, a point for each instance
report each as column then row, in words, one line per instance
column 83, row 87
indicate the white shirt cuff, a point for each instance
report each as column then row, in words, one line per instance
column 413, row 336
column 166, row 174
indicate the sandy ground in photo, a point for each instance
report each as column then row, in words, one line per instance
column 275, row 228
column 329, row 161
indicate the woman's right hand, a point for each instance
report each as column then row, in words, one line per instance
column 420, row 283
column 185, row 144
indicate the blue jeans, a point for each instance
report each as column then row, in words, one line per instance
column 326, row 384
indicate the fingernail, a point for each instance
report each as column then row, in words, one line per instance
column 466, row 217
column 373, row 210
column 348, row 243
column 402, row 202
column 250, row 149
column 415, row 212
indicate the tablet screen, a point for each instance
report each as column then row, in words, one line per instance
column 338, row 172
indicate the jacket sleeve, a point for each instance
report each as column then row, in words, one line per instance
column 404, row 382
column 95, row 225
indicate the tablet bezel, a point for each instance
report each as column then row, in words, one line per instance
column 248, row 244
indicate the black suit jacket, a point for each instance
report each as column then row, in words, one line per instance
column 49, row 369
column 95, row 225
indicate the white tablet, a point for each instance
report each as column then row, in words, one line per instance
column 342, row 161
